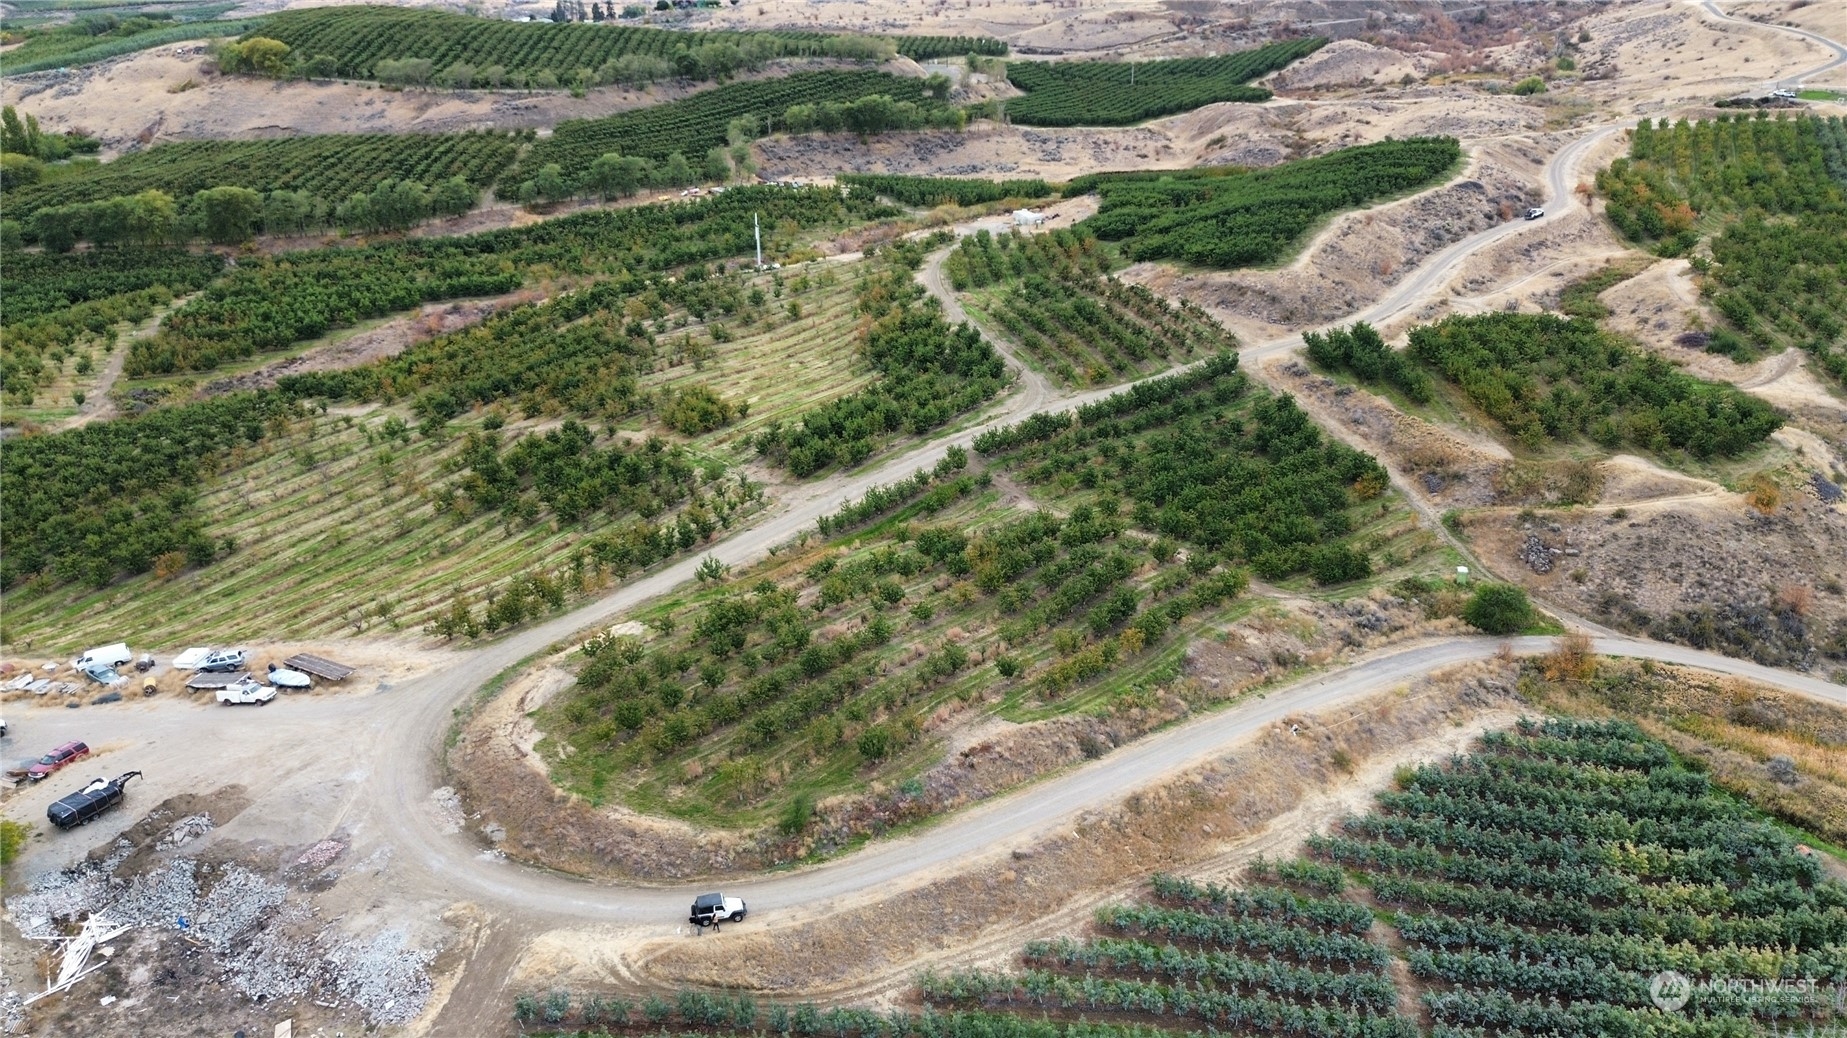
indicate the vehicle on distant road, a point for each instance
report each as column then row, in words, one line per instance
column 1534, row 214
column 224, row 661
column 92, row 800
column 712, row 909
column 36, row 770
column 245, row 693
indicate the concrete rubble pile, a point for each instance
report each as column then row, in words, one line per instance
column 267, row 943
column 185, row 830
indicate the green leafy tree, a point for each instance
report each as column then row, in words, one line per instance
column 264, row 56
column 453, row 197
column 614, row 176
column 717, row 165
column 1498, row 609
column 677, row 172
column 550, row 184
column 228, row 215
column 20, row 171
column 19, row 136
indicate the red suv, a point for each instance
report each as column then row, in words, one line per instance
column 56, row 759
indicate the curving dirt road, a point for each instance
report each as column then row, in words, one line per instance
column 1840, row 52
column 379, row 770
column 1036, row 391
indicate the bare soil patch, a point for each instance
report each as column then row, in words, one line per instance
column 386, row 339
column 1706, row 569
column 1358, row 257
column 128, row 103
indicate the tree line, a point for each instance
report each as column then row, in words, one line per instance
column 1239, row 218
column 424, row 46
column 929, row 372
column 1116, row 93
column 108, row 499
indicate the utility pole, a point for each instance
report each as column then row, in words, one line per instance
column 756, row 227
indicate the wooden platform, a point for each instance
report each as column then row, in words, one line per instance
column 319, row 666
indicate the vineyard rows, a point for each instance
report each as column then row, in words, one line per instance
column 359, row 38
column 1274, row 497
column 1084, row 328
column 929, row 373
column 271, row 303
column 1257, row 217
column 1108, row 93
column 1542, row 377
column 912, row 614
column 65, row 310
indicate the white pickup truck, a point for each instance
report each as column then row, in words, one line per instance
column 246, row 692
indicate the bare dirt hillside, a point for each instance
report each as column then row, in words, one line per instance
column 145, row 98
column 1359, row 255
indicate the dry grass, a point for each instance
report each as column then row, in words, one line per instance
column 1734, row 728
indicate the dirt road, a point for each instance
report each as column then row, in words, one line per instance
column 375, row 758
column 364, row 764
column 1036, row 391
column 1840, row 52
column 381, row 756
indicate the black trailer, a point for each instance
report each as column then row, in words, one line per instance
column 92, row 800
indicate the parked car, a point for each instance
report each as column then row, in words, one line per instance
column 1534, row 214
column 2, row 727
column 102, row 674
column 246, row 692
column 92, row 800
column 224, row 661
column 711, row 909
column 58, row 758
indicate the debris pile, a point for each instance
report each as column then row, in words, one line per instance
column 390, row 980
column 265, row 940
column 1536, row 555
column 184, row 831
column 320, row 855
column 448, row 805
